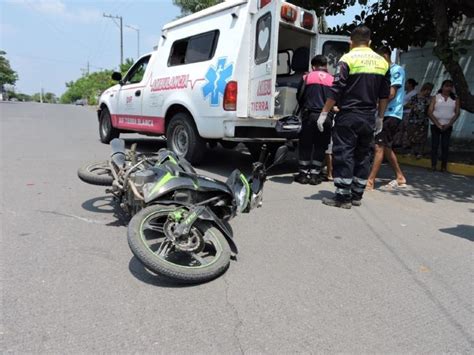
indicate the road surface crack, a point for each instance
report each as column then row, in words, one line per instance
column 236, row 314
column 83, row 219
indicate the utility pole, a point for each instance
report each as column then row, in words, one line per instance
column 121, row 33
column 138, row 38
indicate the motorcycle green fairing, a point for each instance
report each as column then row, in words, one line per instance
column 172, row 176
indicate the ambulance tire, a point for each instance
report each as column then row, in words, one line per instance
column 183, row 138
column 106, row 131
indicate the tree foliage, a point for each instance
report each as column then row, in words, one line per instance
column 124, row 67
column 405, row 23
column 7, row 74
column 90, row 86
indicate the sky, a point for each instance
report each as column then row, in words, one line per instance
column 50, row 42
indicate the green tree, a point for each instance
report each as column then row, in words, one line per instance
column 88, row 87
column 7, row 74
column 18, row 95
column 124, row 67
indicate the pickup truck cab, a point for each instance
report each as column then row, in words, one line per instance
column 225, row 74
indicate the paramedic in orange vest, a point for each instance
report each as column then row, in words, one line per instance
column 314, row 138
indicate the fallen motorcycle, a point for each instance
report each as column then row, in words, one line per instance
column 179, row 227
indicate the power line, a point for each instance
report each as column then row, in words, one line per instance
column 121, row 33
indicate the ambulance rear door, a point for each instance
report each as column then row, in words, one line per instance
column 263, row 59
column 333, row 47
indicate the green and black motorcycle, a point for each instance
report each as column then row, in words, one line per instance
column 179, row 227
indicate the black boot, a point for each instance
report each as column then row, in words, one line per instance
column 356, row 202
column 315, row 179
column 337, row 201
column 302, row 178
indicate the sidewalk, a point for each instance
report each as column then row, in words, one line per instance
column 454, row 168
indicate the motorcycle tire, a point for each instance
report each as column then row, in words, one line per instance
column 172, row 271
column 97, row 173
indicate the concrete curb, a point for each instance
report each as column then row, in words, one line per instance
column 454, row 168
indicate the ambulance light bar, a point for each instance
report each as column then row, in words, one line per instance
column 288, row 13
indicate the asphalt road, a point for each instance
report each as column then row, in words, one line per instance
column 394, row 275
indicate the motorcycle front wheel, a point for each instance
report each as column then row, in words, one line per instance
column 207, row 257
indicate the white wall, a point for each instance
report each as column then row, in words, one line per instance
column 423, row 66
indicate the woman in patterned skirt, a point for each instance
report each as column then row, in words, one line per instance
column 418, row 120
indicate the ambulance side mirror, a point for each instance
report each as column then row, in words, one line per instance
column 116, row 76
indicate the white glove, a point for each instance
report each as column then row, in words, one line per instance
column 321, row 119
column 378, row 125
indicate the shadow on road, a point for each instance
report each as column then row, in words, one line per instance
column 320, row 195
column 461, row 230
column 107, row 204
column 422, row 183
column 141, row 273
column 431, row 186
column 102, row 204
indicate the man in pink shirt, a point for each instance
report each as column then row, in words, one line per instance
column 315, row 136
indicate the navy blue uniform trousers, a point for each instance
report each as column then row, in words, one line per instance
column 353, row 134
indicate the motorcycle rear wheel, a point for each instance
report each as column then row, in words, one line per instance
column 97, row 173
column 147, row 241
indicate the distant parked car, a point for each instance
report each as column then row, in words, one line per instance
column 81, row 102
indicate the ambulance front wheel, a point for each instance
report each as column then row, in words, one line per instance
column 183, row 138
column 107, row 132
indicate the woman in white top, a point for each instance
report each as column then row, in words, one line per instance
column 443, row 112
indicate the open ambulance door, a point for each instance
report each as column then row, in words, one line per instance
column 333, row 47
column 263, row 61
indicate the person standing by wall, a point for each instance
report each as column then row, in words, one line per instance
column 314, row 137
column 362, row 80
column 418, row 121
column 391, row 122
column 443, row 112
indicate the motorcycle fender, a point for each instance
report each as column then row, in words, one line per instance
column 208, row 215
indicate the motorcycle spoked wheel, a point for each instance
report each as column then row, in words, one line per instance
column 97, row 173
column 148, row 242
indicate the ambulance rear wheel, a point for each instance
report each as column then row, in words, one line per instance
column 183, row 138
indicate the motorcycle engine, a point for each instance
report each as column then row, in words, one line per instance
column 143, row 177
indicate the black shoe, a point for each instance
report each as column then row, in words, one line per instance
column 302, row 178
column 315, row 179
column 356, row 203
column 337, row 202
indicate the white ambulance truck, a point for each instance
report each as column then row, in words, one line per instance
column 224, row 74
